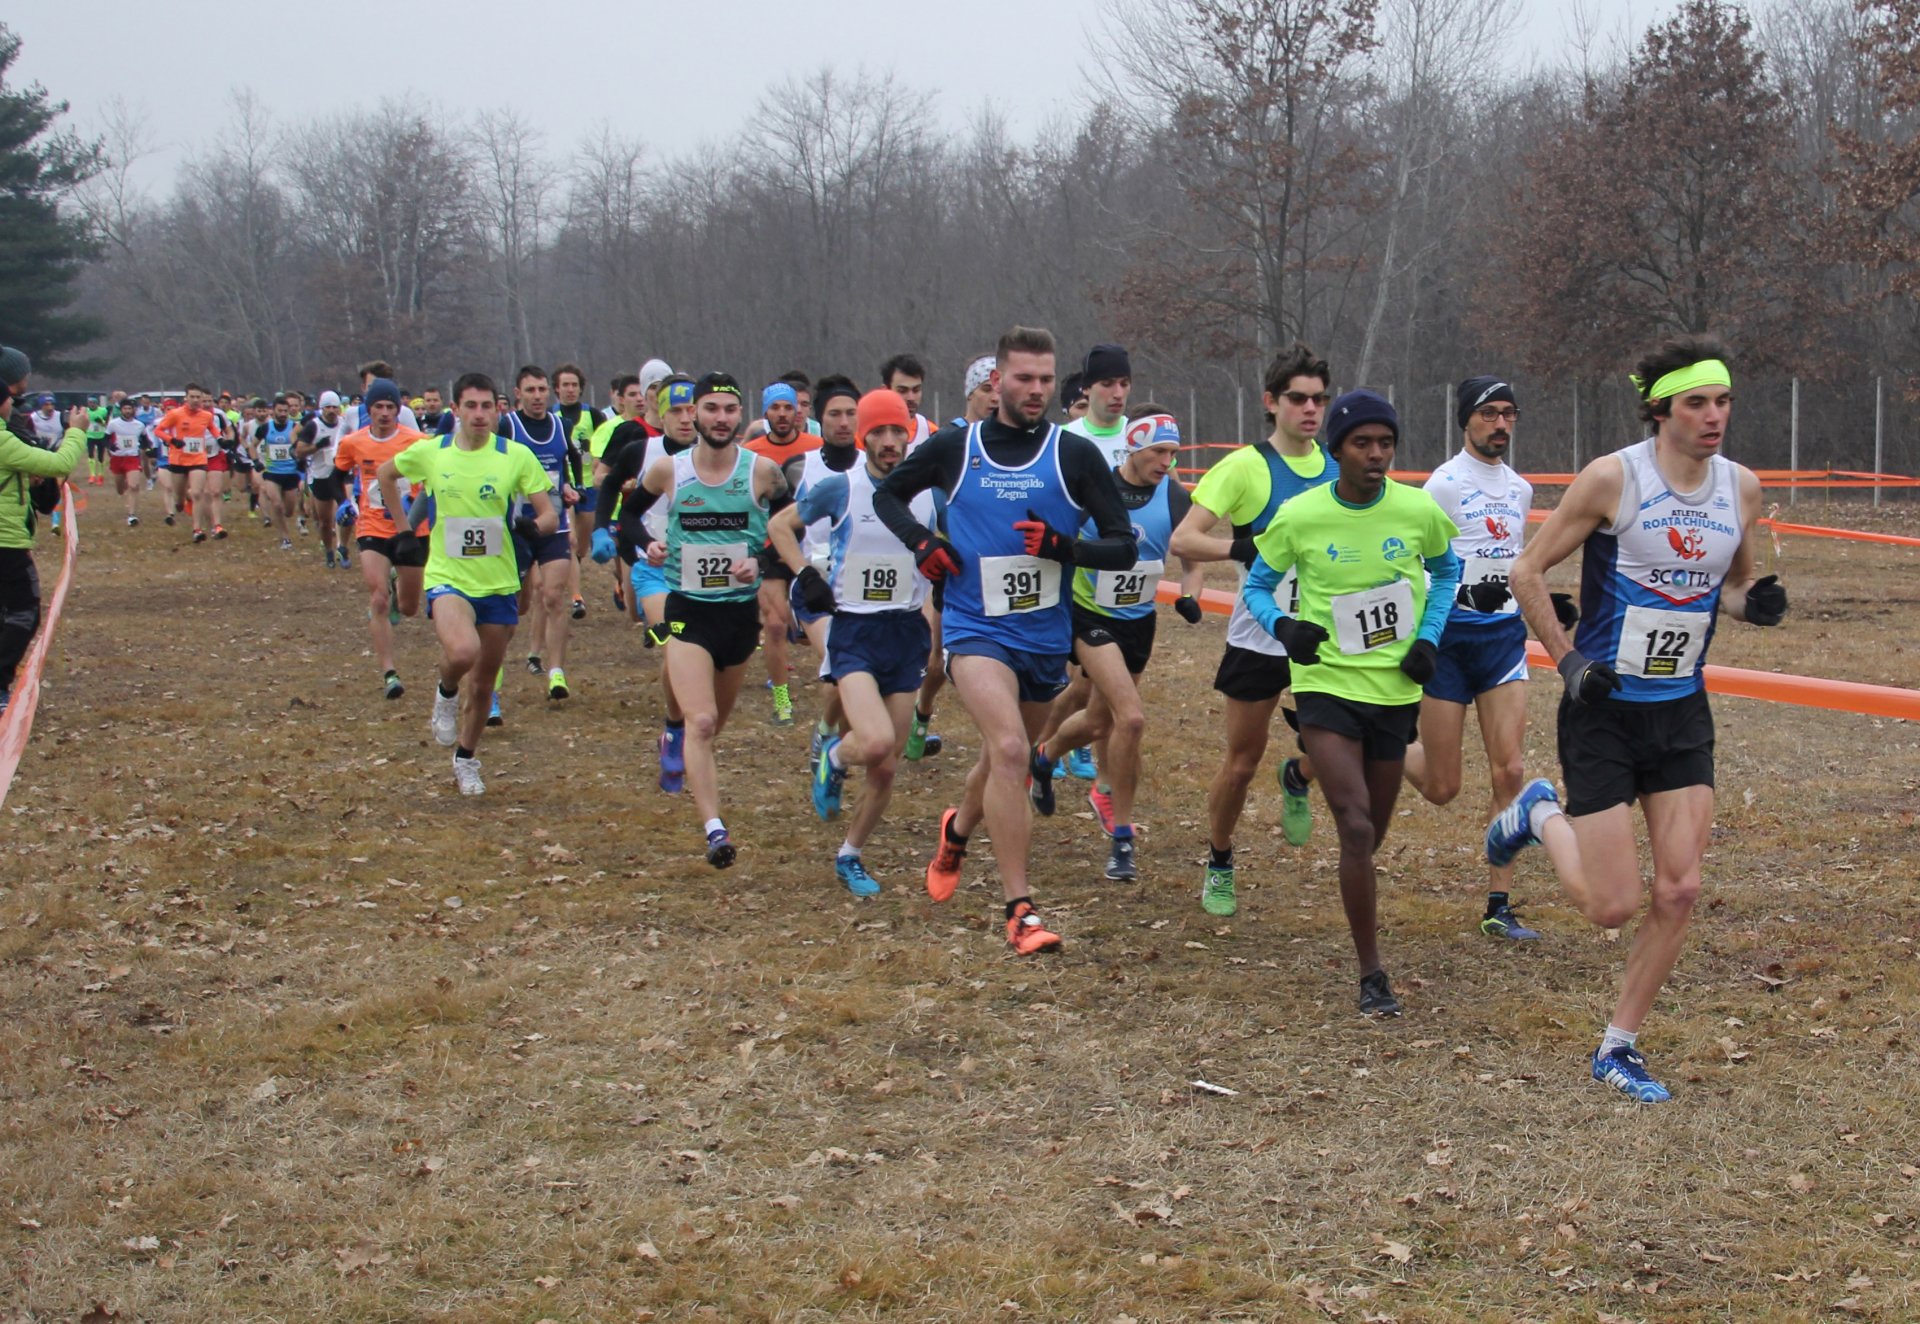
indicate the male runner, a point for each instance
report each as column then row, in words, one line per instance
column 472, row 578
column 48, row 427
column 1113, row 627
column 878, row 646
column 378, row 369
column 536, row 427
column 314, row 445
column 1483, row 653
column 906, row 376
column 1244, row 490
column 126, row 439
column 980, row 393
column 578, row 420
column 1073, row 398
column 97, row 416
column 274, row 437
column 718, row 494
column 837, row 405
column 1362, row 639
column 394, row 576
column 191, row 433
column 786, row 443
column 1018, row 491
column 431, row 411
column 1665, row 531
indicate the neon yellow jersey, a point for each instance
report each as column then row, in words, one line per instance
column 1363, row 579
column 471, row 549
column 1240, row 486
column 597, row 441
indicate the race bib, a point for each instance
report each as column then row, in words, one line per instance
column 879, row 578
column 1373, row 618
column 1013, row 584
column 1127, row 588
column 705, row 567
column 1287, row 593
column 1488, row 570
column 1661, row 645
column 466, row 538
column 279, row 454
column 372, row 497
column 192, row 446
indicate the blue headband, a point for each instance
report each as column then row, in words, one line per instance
column 776, row 393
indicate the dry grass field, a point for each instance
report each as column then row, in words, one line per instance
column 290, row 1031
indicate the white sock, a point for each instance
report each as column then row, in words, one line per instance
column 715, row 825
column 833, row 757
column 1540, row 815
column 848, row 848
column 1615, row 1037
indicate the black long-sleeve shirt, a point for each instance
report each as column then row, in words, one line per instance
column 938, row 462
column 626, row 459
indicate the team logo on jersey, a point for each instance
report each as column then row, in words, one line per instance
column 487, row 492
column 1688, row 546
column 1497, row 528
column 1393, row 549
column 692, row 502
column 1335, row 552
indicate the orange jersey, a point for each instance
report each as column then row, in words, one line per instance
column 359, row 453
column 191, row 436
column 764, row 444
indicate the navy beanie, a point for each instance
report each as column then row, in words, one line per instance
column 1477, row 391
column 1354, row 409
column 381, row 389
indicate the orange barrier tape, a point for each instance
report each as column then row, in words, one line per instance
column 1844, row 696
column 1851, row 535
column 17, row 723
column 1820, row 479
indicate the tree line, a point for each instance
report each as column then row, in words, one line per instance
column 1382, row 178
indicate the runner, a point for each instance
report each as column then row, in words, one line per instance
column 472, row 581
column 1362, row 639
column 190, row 433
column 578, row 421
column 126, row 440
column 393, row 573
column 837, row 402
column 548, row 572
column 1483, row 653
column 718, row 496
column 97, row 416
column 785, row 442
column 274, row 436
column 1113, row 627
column 48, row 427
column 1665, row 529
column 906, row 376
column 314, row 444
column 369, row 372
column 878, row 646
column 1244, row 490
column 1017, row 490
column 431, row 413
column 1073, row 398
column 220, row 460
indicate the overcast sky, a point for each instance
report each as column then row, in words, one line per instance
column 570, row 66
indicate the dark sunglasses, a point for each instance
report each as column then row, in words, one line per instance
column 1298, row 398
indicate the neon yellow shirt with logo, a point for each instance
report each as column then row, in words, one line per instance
column 471, row 548
column 1363, row 579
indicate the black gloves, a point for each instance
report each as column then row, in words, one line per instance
column 1301, row 639
column 1244, row 551
column 406, row 548
column 1189, row 608
column 1421, row 659
column 527, row 529
column 1489, row 595
column 1564, row 611
column 816, row 594
column 1587, row 682
column 1766, row 601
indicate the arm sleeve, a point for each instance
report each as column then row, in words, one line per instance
column 1258, row 593
column 1090, row 482
column 632, row 530
column 934, row 463
column 1445, row 582
column 826, row 499
column 617, row 473
column 1178, row 504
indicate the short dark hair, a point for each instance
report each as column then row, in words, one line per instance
column 193, row 386
column 293, row 395
column 623, row 380
column 1023, row 340
column 835, row 379
column 573, row 368
column 798, row 380
column 1297, row 360
column 1679, row 352
column 377, row 368
column 533, row 370
column 474, row 381
column 906, row 363
column 429, row 390
column 279, row 399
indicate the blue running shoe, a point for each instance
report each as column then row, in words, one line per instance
column 1627, row 1072
column 494, row 716
column 719, row 848
column 1079, row 763
column 1504, row 922
column 673, row 762
column 1040, row 775
column 854, row 874
column 827, row 782
column 1511, row 829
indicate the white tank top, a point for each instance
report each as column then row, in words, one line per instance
column 1489, row 503
column 872, row 571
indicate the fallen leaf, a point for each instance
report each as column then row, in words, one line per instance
column 785, row 1202
column 1397, row 1251
column 100, row 1314
column 1800, row 1183
column 646, row 1251
column 546, row 1282
column 266, row 1089
column 141, row 1243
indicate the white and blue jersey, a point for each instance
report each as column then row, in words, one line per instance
column 1650, row 580
column 871, row 571
column 551, row 452
column 1001, row 594
column 276, row 448
column 1489, row 504
column 1131, row 594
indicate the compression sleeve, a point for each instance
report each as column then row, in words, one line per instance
column 1090, row 483
column 1258, row 593
column 1445, row 582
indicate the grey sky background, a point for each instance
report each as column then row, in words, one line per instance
column 569, row 67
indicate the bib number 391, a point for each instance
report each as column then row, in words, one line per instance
column 1373, row 618
column 1013, row 584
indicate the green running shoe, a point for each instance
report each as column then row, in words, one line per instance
column 1296, row 810
column 1216, row 894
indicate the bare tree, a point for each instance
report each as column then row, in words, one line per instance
column 515, row 214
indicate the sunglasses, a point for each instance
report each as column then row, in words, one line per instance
column 1298, row 398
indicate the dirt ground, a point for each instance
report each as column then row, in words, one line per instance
column 291, row 1031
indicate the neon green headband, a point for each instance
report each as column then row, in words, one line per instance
column 1707, row 372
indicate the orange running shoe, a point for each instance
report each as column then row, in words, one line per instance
column 1102, row 803
column 943, row 871
column 1027, row 934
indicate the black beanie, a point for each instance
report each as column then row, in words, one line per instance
column 1104, row 363
column 1477, row 391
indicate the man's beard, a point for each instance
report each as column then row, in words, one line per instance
column 718, row 443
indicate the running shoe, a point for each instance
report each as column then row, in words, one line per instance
column 1512, row 829
column 720, row 850
column 557, row 684
column 199, row 535
column 394, row 689
column 446, row 717
column 1627, row 1072
column 169, row 522
column 916, row 740
column 393, row 594
column 1376, row 996
column 943, row 870
column 579, row 609
column 1296, row 809
column 467, row 773
column 495, row 716
column 854, row 874
column 1040, row 775
column 1027, row 934
column 1120, row 865
column 1504, row 923
column 1216, row 893
column 303, row 523
column 1102, row 804
column 286, row 544
column 1080, row 764
column 533, row 664
column 828, row 781
column 673, row 762
column 817, row 743
column 219, row 532
column 133, row 521
column 782, row 706
column 934, row 743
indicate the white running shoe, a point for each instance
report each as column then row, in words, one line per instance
column 446, row 717
column 467, row 773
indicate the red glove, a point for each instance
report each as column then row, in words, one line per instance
column 934, row 558
column 1045, row 540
